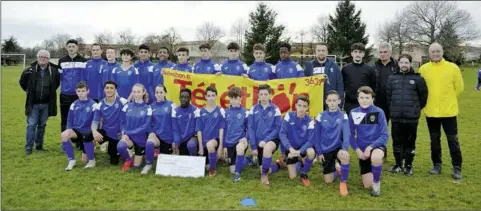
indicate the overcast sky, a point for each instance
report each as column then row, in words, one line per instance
column 32, row 22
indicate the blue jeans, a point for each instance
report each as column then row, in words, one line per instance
column 36, row 123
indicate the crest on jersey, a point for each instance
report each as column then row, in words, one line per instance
column 304, row 127
column 372, row 118
column 190, row 115
column 266, row 69
column 237, row 67
column 166, row 109
column 290, row 70
column 338, row 121
column 87, row 109
column 208, row 68
column 116, row 105
column 270, row 114
column 411, row 82
column 130, row 72
column 331, row 70
column 216, row 115
column 239, row 116
column 142, row 113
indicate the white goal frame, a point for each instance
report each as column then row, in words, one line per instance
column 18, row 54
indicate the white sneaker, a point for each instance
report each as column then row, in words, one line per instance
column 146, row 169
column 104, row 146
column 376, row 189
column 71, row 164
column 90, row 164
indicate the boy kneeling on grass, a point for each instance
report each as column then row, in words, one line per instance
column 369, row 136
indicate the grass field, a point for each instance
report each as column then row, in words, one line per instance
column 39, row 181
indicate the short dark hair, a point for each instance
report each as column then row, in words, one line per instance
column 234, row 92
column 96, row 44
column 211, row 89
column 74, row 41
column 82, row 84
column 163, row 47
column 161, row 86
column 110, row 82
column 303, row 98
column 265, row 87
column 183, row 49
column 366, row 90
column 144, row 47
column 110, row 47
column 204, row 45
column 332, row 92
column 285, row 45
column 407, row 56
column 127, row 51
column 185, row 90
column 259, row 47
column 233, row 46
column 358, row 46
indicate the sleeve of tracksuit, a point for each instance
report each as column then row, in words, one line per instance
column 144, row 127
column 315, row 135
column 246, row 125
column 198, row 121
column 308, row 68
column 300, row 71
column 346, row 133
column 308, row 143
column 246, row 68
column 339, row 83
column 352, row 128
column 373, row 79
column 175, row 127
column 422, row 91
column 123, row 117
column 223, row 123
column 458, row 81
column 277, row 126
column 250, row 129
column 70, row 117
column 273, row 72
column 389, row 90
column 384, row 135
column 83, row 72
column 283, row 132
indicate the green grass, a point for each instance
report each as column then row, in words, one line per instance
column 39, row 181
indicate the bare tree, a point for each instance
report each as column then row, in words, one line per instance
column 427, row 18
column 171, row 38
column 238, row 30
column 210, row 33
column 154, row 41
column 126, row 38
column 104, row 38
column 395, row 32
column 319, row 29
column 60, row 40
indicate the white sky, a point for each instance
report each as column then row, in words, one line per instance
column 32, row 22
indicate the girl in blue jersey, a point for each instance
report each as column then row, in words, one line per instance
column 161, row 133
column 135, row 125
column 126, row 75
column 80, row 116
column 210, row 124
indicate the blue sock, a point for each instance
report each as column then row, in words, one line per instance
column 67, row 148
column 266, row 165
column 376, row 173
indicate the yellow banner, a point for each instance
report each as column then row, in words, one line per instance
column 285, row 91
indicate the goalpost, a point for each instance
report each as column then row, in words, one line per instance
column 17, row 54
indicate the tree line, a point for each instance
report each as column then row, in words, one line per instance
column 419, row 24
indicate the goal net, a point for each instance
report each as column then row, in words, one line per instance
column 14, row 58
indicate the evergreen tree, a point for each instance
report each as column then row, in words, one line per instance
column 451, row 43
column 263, row 30
column 345, row 29
column 10, row 45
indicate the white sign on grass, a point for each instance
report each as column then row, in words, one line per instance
column 181, row 166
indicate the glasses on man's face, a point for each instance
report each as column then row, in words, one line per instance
column 43, row 57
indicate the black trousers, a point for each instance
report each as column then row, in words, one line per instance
column 404, row 142
column 65, row 102
column 450, row 127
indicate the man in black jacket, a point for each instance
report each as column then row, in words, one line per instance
column 385, row 66
column 355, row 75
column 41, row 81
column 407, row 94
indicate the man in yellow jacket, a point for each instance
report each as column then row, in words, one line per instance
column 445, row 84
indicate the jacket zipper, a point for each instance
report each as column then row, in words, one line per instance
column 41, row 89
column 402, row 96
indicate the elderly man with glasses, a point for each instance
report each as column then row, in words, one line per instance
column 40, row 81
